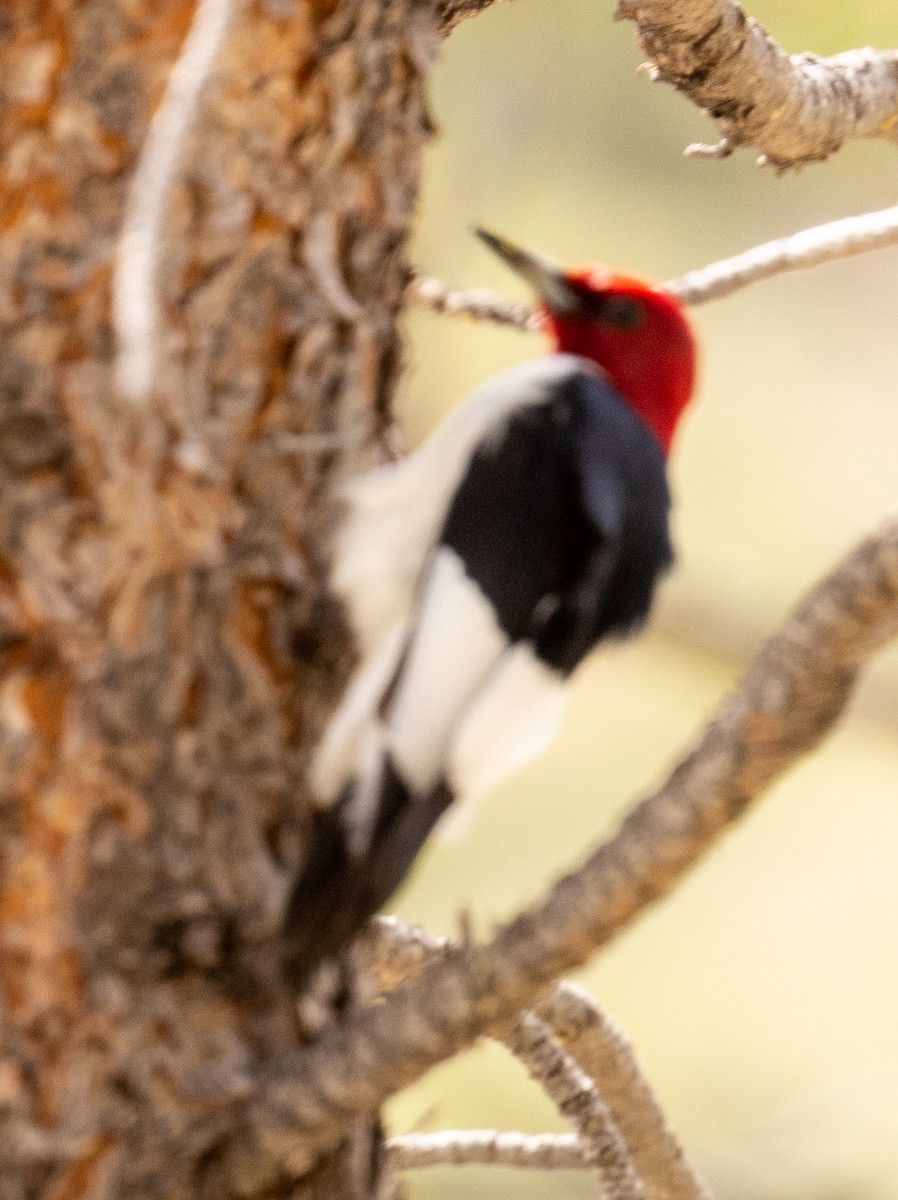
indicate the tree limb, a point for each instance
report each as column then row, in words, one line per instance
column 397, row 952
column 592, row 1039
column 487, row 1148
column 790, row 697
column 794, row 109
column 580, row 1101
column 830, row 242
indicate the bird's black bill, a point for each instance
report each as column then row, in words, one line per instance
column 550, row 282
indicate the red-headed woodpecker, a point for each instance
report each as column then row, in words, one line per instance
column 479, row 571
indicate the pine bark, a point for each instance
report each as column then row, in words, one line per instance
column 168, row 649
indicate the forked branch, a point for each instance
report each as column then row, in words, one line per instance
column 789, row 699
column 578, row 1098
column 396, row 953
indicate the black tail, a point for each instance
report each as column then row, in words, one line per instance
column 336, row 891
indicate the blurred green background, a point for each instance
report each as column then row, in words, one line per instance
column 762, row 997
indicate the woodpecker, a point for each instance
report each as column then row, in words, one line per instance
column 480, row 571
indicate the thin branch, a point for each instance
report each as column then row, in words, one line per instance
column 809, row 248
column 789, row 699
column 487, row 1148
column 135, row 303
column 479, row 304
column 397, row 952
column 794, row 109
column 579, row 1100
column 798, row 251
column 590, row 1037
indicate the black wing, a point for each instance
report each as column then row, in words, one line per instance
column 562, row 518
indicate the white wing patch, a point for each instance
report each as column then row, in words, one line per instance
column 467, row 708
column 395, row 512
column 456, row 644
column 464, row 705
column 346, row 741
column 514, row 718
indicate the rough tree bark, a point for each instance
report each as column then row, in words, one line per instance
column 168, row 652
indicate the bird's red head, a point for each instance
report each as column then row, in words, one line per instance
column 636, row 332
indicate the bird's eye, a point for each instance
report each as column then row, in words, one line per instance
column 623, row 312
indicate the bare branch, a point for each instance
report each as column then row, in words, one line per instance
column 579, row 1100
column 590, row 1037
column 487, row 1148
column 790, row 698
column 845, row 238
column 794, row 109
column 809, row 248
column 479, row 304
column 135, row 302
column 398, row 952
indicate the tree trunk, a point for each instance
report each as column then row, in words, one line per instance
column 169, row 651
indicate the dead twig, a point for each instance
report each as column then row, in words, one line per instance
column 397, row 952
column 487, row 1148
column 845, row 238
column 479, row 304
